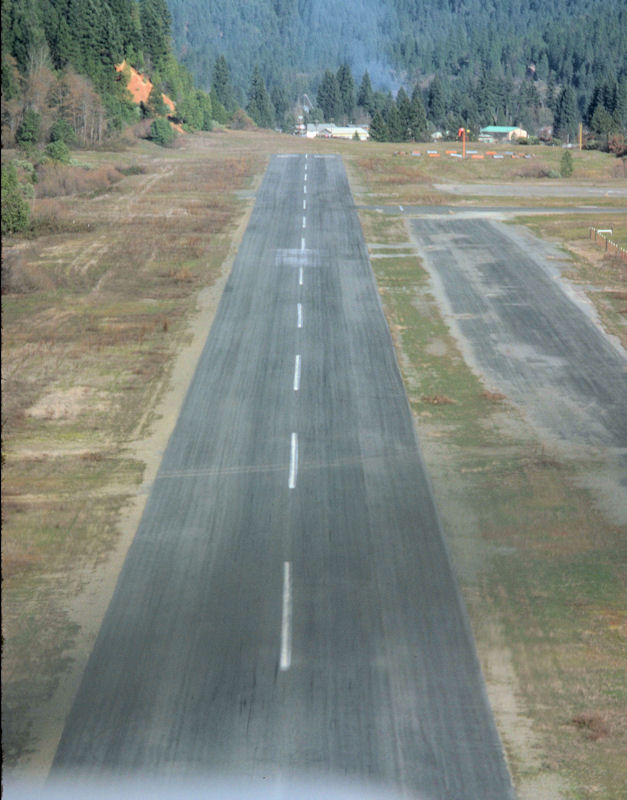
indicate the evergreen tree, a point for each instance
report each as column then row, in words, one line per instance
column 28, row 132
column 486, row 98
column 222, row 84
column 417, row 116
column 394, row 122
column 365, row 97
column 204, row 103
column 280, row 104
column 602, row 121
column 378, row 128
column 566, row 164
column 259, row 107
column 346, row 86
column 15, row 209
column 218, row 111
column 155, row 105
column 161, row 132
column 329, row 98
column 404, row 112
column 156, row 24
column 566, row 116
column 436, row 107
column 620, row 109
column 551, row 94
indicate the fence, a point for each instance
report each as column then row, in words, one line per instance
column 611, row 247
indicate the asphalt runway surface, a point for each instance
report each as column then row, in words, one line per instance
column 526, row 333
column 288, row 605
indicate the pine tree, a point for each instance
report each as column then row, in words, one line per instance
column 156, row 25
column 566, row 164
column 395, row 124
column 222, row 84
column 566, row 115
column 346, row 86
column 404, row 112
column 378, row 128
column 259, row 107
column 486, row 97
column 218, row 111
column 280, row 104
column 436, row 108
column 417, row 116
column 329, row 98
column 204, row 103
column 551, row 95
column 15, row 209
column 365, row 98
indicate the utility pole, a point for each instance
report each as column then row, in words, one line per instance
column 581, row 136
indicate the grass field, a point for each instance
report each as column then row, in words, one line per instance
column 97, row 303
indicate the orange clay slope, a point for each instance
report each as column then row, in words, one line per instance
column 139, row 86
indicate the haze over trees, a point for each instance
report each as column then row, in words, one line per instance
column 477, row 62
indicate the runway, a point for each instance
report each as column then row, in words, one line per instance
column 288, row 605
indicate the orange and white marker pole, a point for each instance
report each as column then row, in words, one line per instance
column 462, row 132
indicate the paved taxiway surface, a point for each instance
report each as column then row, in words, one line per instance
column 533, row 341
column 288, row 603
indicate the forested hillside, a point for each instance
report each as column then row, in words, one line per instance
column 59, row 80
column 496, row 60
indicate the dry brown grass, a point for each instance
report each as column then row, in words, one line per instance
column 438, row 400
column 592, row 724
column 57, row 180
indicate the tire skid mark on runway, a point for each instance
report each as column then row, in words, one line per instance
column 303, row 466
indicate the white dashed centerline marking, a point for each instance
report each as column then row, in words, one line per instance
column 300, row 276
column 299, row 315
column 302, row 243
column 285, row 661
column 293, row 462
column 304, row 205
column 304, row 190
column 297, row 373
column 304, row 222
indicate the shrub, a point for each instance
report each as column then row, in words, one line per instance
column 240, row 121
column 15, row 209
column 162, row 132
column 58, row 151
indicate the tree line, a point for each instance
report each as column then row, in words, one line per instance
column 58, row 66
column 503, row 60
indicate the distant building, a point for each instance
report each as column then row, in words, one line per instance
column 501, row 133
column 328, row 130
